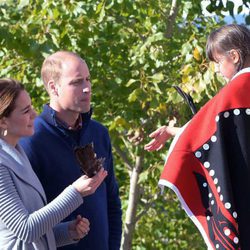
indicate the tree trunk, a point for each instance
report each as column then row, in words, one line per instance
column 134, row 197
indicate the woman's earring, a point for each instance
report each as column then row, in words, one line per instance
column 5, row 132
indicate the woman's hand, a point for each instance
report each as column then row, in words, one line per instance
column 78, row 228
column 160, row 136
column 86, row 186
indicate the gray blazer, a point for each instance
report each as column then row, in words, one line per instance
column 25, row 224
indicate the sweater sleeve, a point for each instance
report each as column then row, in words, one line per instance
column 62, row 236
column 30, row 227
column 114, row 206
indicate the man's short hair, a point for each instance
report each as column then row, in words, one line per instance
column 52, row 66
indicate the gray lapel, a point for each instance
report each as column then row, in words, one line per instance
column 15, row 159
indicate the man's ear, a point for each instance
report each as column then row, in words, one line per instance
column 52, row 88
column 234, row 54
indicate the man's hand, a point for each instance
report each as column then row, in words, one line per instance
column 78, row 228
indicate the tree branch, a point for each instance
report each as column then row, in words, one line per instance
column 171, row 19
column 146, row 207
column 124, row 157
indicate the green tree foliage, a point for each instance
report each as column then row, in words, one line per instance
column 136, row 50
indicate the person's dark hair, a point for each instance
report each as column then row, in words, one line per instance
column 9, row 91
column 229, row 37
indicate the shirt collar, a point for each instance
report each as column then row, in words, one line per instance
column 49, row 114
column 245, row 70
column 77, row 126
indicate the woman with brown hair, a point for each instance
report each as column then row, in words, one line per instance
column 26, row 220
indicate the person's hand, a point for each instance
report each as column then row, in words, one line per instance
column 160, row 136
column 86, row 186
column 78, row 228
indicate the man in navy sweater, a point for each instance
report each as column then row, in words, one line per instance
column 64, row 124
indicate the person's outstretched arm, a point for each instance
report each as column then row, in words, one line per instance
column 160, row 136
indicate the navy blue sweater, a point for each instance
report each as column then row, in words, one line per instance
column 50, row 151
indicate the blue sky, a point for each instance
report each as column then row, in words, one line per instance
column 239, row 18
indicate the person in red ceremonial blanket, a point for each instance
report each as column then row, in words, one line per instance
column 208, row 164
